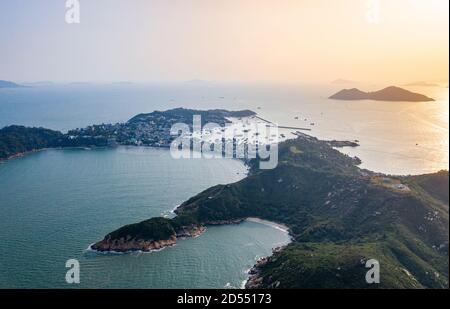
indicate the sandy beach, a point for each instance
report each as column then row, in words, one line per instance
column 275, row 225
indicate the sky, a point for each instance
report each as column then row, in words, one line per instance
column 226, row 40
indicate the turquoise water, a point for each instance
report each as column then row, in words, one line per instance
column 395, row 137
column 55, row 203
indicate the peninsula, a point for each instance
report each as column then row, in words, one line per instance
column 152, row 129
column 391, row 93
column 338, row 215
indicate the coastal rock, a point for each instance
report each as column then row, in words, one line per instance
column 340, row 144
column 127, row 244
column 192, row 231
column 254, row 282
column 255, row 278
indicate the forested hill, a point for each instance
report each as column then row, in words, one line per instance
column 15, row 140
column 339, row 217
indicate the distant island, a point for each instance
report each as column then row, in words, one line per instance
column 8, row 84
column 387, row 94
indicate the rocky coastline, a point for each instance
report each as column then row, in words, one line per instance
column 341, row 144
column 20, row 154
column 129, row 244
column 255, row 277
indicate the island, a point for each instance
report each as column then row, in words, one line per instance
column 391, row 93
column 339, row 216
column 8, row 84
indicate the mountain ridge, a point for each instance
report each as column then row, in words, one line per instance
column 7, row 84
column 391, row 93
column 344, row 214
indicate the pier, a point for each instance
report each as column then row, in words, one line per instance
column 283, row 127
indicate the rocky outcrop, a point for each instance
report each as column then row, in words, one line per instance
column 340, row 144
column 129, row 244
column 125, row 245
column 192, row 231
column 255, row 279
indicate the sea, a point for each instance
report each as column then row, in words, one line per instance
column 55, row 203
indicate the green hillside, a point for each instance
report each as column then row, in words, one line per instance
column 18, row 139
column 338, row 216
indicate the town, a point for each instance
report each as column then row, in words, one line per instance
column 151, row 129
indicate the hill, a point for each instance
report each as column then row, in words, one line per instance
column 387, row 94
column 185, row 116
column 152, row 129
column 7, row 84
column 15, row 140
column 338, row 215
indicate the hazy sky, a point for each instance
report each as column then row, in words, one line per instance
column 228, row 40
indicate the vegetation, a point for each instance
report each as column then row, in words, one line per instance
column 332, row 265
column 151, row 129
column 338, row 214
column 18, row 139
column 154, row 229
column 185, row 115
column 338, row 219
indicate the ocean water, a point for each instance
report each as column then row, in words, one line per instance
column 55, row 203
column 395, row 137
